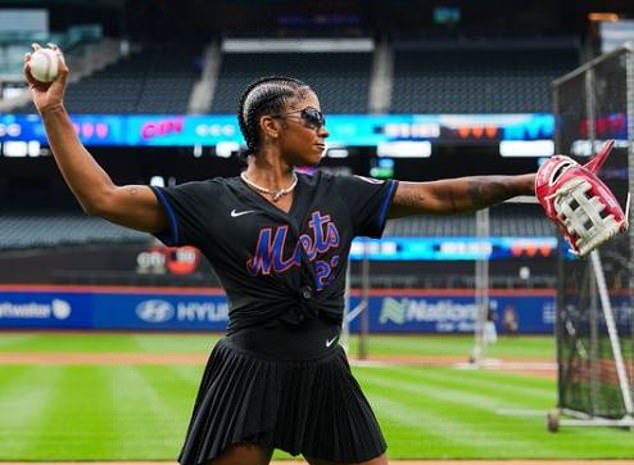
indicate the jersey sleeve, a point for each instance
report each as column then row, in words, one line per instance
column 368, row 200
column 189, row 207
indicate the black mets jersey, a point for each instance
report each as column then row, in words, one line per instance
column 275, row 265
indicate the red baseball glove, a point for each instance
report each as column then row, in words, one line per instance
column 577, row 201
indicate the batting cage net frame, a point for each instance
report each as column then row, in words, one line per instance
column 594, row 324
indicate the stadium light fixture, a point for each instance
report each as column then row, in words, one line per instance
column 526, row 148
column 603, row 16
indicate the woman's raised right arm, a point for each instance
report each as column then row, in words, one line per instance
column 132, row 206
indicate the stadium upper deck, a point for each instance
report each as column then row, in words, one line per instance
column 417, row 77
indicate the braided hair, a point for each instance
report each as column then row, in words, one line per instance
column 269, row 94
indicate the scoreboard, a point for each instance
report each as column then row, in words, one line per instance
column 345, row 130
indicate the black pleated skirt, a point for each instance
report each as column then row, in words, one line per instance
column 309, row 407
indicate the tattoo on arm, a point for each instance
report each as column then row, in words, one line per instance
column 460, row 195
column 483, row 192
column 410, row 197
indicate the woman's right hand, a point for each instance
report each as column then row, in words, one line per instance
column 47, row 95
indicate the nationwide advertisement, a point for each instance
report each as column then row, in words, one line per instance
column 457, row 312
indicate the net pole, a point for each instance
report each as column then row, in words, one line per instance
column 594, row 344
column 594, row 314
column 559, row 310
column 613, row 335
column 629, row 104
column 362, row 308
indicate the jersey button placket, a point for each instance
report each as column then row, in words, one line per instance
column 307, row 293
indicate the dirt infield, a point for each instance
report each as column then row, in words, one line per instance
column 135, row 358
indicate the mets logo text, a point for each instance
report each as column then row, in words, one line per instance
column 321, row 238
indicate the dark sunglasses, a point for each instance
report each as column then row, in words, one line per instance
column 312, row 117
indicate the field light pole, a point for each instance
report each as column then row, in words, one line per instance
column 362, row 308
column 481, row 288
column 482, row 279
column 364, row 324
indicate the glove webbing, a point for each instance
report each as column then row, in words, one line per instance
column 584, row 223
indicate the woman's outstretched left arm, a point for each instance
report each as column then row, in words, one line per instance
column 458, row 195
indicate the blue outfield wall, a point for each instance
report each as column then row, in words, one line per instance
column 186, row 309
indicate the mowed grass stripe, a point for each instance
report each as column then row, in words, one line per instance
column 472, row 382
column 26, row 394
column 442, row 430
column 439, row 415
column 94, row 413
column 189, row 375
column 81, row 416
column 148, row 421
column 446, row 385
column 421, row 423
column 409, row 424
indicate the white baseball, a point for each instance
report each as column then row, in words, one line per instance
column 44, row 65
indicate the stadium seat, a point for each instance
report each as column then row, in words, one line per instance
column 157, row 79
column 477, row 81
column 340, row 79
column 30, row 230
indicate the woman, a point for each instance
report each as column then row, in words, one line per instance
column 279, row 242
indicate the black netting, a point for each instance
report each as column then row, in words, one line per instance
column 591, row 107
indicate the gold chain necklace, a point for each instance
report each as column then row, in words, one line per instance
column 275, row 194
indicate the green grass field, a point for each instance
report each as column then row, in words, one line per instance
column 139, row 412
column 520, row 347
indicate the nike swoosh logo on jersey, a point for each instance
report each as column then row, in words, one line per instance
column 330, row 342
column 235, row 214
